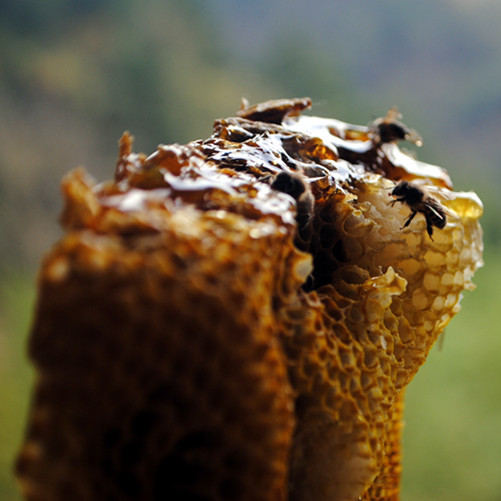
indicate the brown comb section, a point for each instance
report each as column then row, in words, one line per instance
column 151, row 389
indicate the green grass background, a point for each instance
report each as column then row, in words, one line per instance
column 17, row 293
column 452, row 439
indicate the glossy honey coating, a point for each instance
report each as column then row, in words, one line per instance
column 193, row 342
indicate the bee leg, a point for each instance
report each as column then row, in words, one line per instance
column 393, row 202
column 429, row 226
column 409, row 219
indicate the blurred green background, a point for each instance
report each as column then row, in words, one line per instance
column 74, row 74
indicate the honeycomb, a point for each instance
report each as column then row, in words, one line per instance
column 193, row 341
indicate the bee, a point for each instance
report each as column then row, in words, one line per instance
column 299, row 189
column 390, row 129
column 419, row 201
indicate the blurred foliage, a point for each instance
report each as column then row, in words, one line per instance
column 16, row 376
column 74, row 74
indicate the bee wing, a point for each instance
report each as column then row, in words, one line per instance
column 414, row 137
column 439, row 214
column 449, row 213
column 442, row 196
column 439, row 193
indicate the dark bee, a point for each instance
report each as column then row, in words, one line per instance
column 419, row 201
column 390, row 129
column 298, row 188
